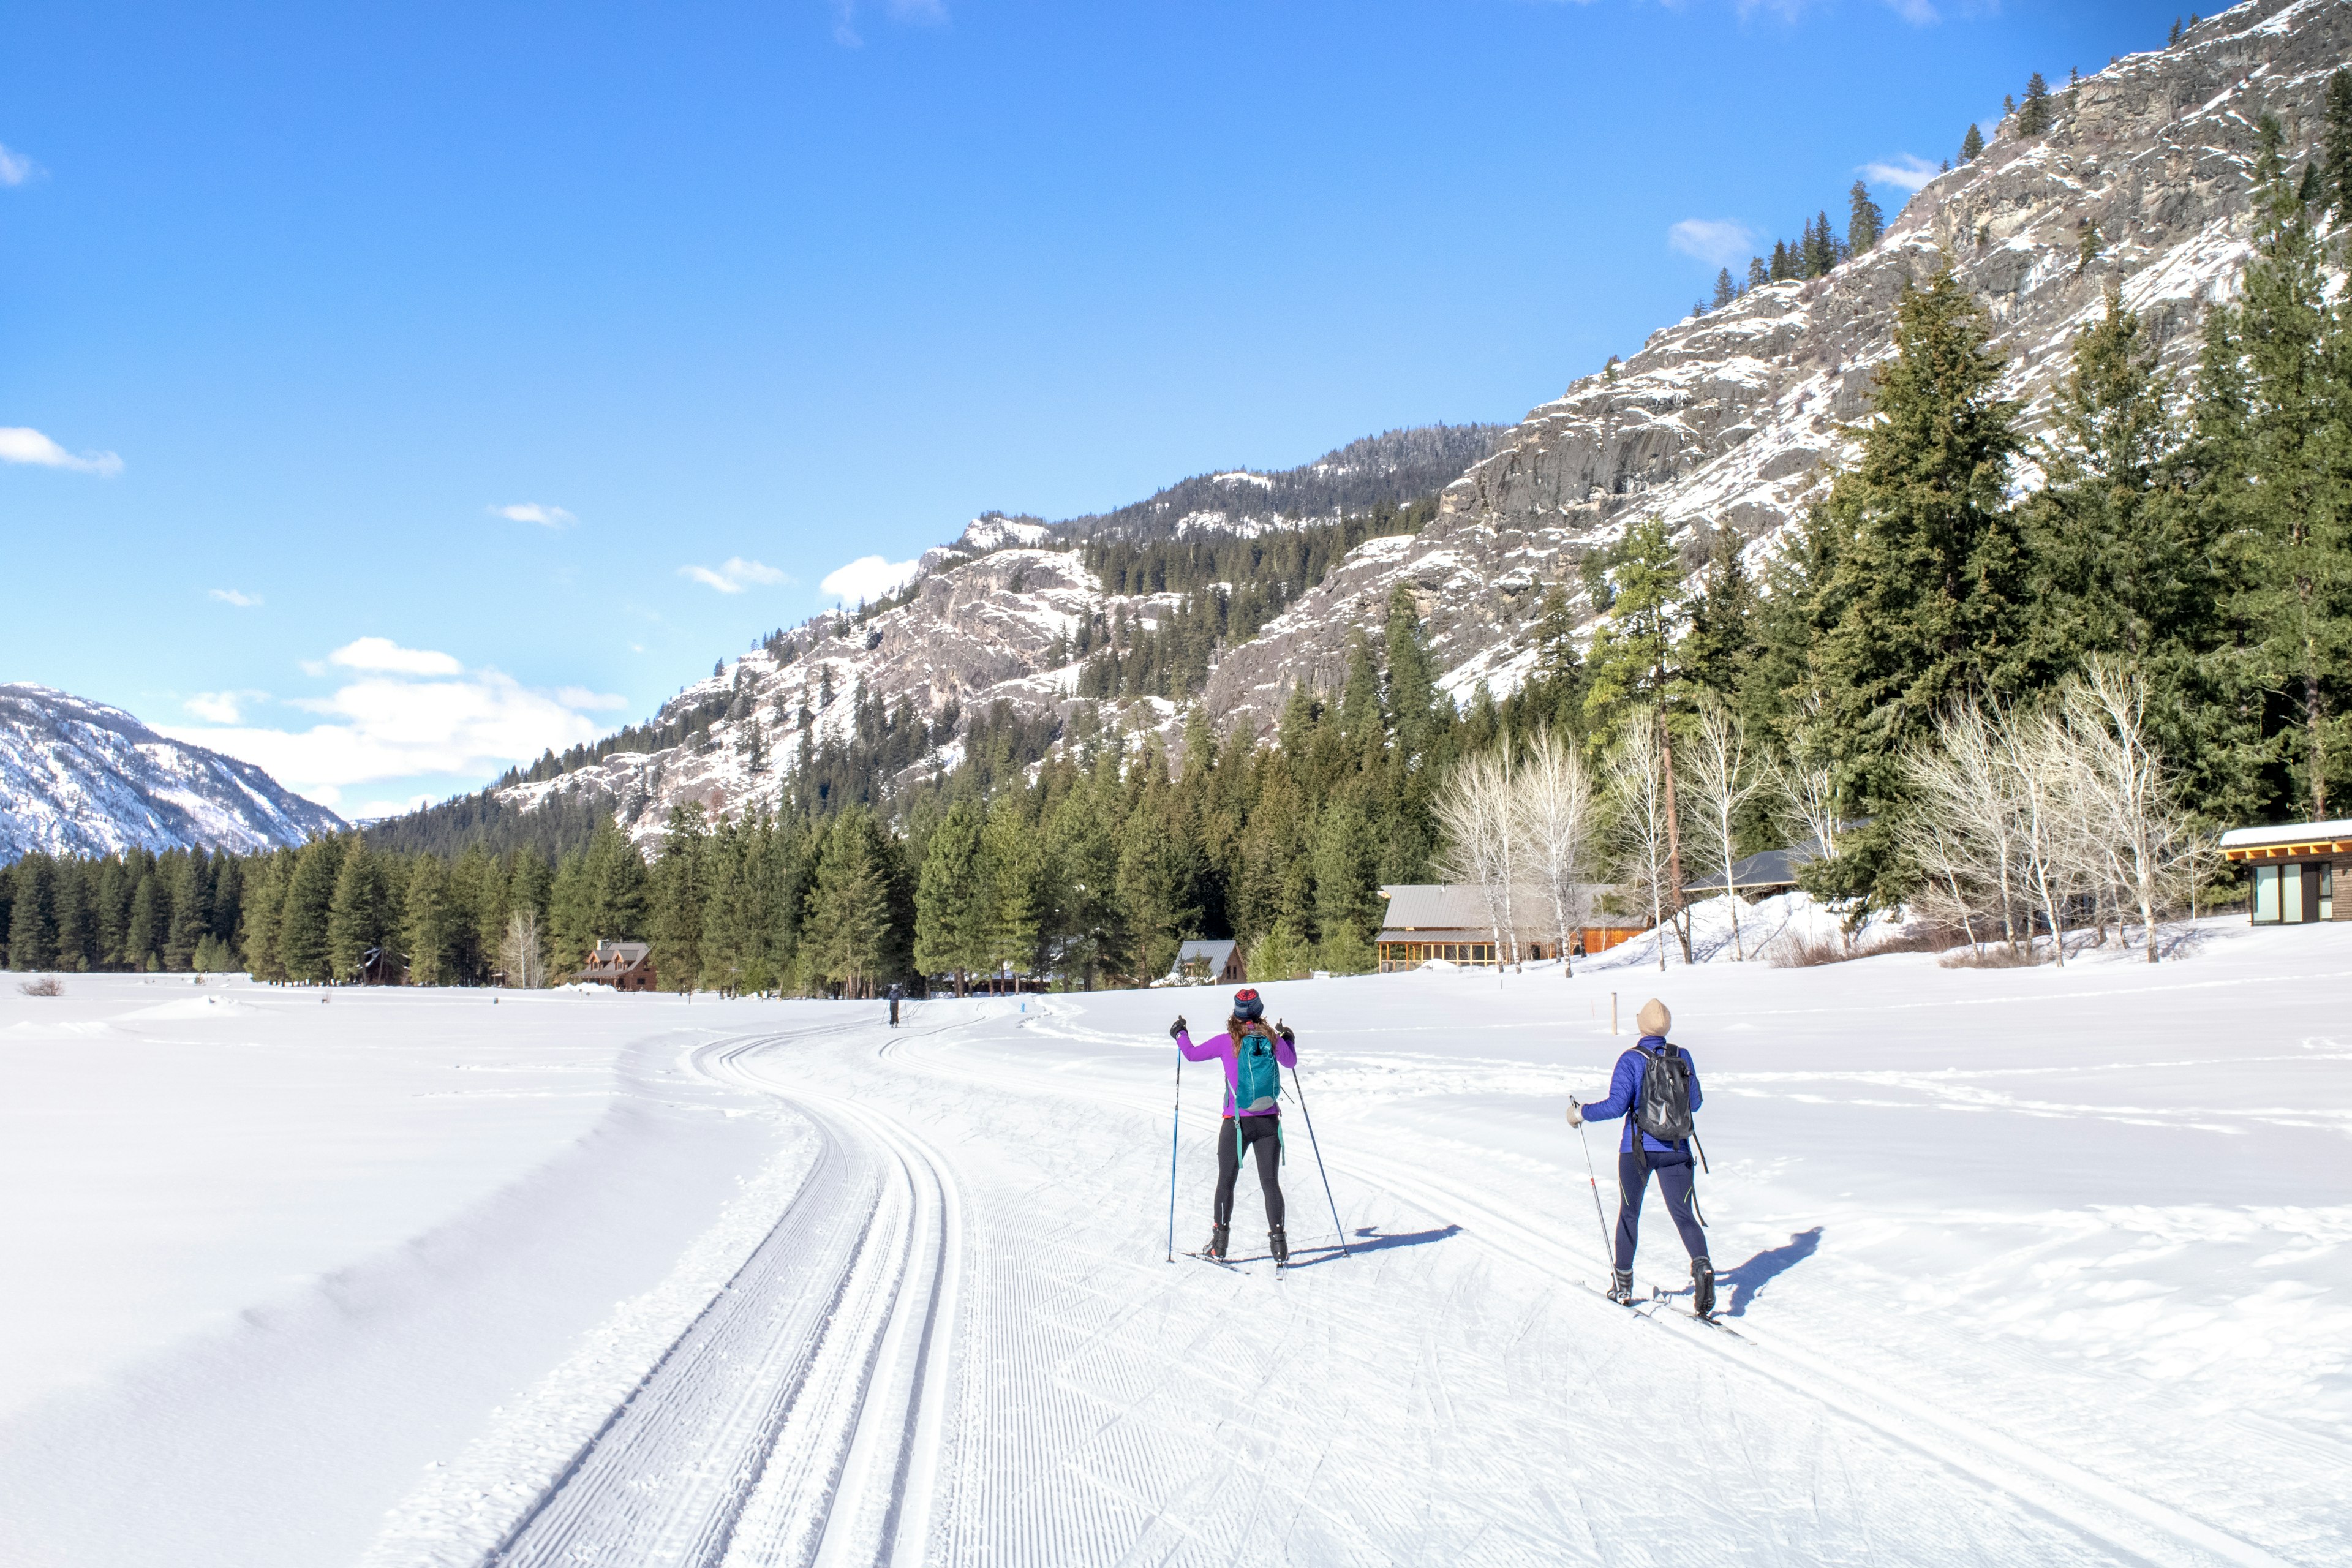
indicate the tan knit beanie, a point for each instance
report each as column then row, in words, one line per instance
column 1653, row 1019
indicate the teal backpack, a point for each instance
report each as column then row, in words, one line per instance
column 1257, row 1077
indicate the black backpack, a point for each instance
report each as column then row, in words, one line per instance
column 1662, row 1106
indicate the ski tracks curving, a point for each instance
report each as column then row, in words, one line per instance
column 796, row 1420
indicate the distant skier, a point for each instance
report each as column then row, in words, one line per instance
column 1657, row 1083
column 1254, row 1056
column 896, row 992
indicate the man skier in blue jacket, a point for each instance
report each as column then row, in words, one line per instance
column 1670, row 1160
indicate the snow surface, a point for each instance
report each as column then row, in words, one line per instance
column 2031, row 1265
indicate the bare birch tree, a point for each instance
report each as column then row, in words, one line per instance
column 1475, row 810
column 1556, row 810
column 1645, row 850
column 2145, row 836
column 1722, row 782
column 521, row 953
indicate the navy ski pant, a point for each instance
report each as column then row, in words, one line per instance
column 1263, row 1134
column 1675, row 1181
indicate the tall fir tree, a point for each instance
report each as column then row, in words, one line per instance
column 680, row 884
column 1865, row 222
column 2336, row 147
column 1971, row 144
column 951, row 899
column 1725, row 291
column 2034, row 116
column 302, row 939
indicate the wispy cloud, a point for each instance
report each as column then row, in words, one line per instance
column 221, row 707
column 736, row 575
column 243, row 601
column 925, row 13
column 867, row 578
column 1905, row 171
column 582, row 697
column 382, row 654
column 22, row 444
column 15, row 168
column 1918, row 13
column 1719, row 242
column 534, row 512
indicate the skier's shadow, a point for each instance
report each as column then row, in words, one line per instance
column 1750, row 1277
column 1368, row 1239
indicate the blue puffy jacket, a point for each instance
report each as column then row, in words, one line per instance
column 1625, row 1088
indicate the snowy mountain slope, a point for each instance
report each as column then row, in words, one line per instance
column 1736, row 418
column 80, row 778
column 2025, row 1266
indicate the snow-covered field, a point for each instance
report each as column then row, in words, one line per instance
column 2033, row 1266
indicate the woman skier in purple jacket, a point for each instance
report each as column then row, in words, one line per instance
column 1257, row 1124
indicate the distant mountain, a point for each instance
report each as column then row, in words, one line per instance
column 80, row 778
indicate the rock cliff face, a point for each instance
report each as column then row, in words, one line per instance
column 81, row 778
column 1735, row 419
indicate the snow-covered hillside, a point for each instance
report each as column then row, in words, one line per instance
column 2028, row 1266
column 1734, row 419
column 80, row 778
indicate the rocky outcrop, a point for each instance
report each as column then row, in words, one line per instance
column 80, row 778
column 1736, row 419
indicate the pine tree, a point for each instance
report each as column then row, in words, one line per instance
column 151, row 918
column 1821, row 256
column 1627, row 669
column 1930, row 570
column 364, row 915
column 849, row 912
column 2087, row 250
column 33, row 915
column 679, row 888
column 2034, row 116
column 1865, row 222
column 430, row 933
column 951, row 899
column 2335, row 148
column 1780, row 270
column 192, row 909
column 1725, row 290
column 302, row 939
column 2173, row 37
column 1413, row 698
column 1758, row 274
column 1720, row 645
column 264, row 901
column 1972, row 144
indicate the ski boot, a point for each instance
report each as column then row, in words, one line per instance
column 1702, row 1287
column 1279, row 1244
column 1621, row 1287
column 1216, row 1247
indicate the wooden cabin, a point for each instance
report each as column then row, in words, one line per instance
column 2292, row 869
column 622, row 965
column 1209, row 963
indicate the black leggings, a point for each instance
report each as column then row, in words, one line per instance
column 1264, row 1132
column 1674, row 1181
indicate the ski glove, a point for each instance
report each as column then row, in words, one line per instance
column 1575, row 1112
column 1288, row 1037
column 1176, row 1027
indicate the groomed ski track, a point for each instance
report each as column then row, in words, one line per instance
column 961, row 1345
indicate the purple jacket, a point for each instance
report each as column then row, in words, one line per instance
column 1222, row 1046
column 1625, row 1088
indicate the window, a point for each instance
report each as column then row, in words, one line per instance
column 2266, row 895
column 2327, row 890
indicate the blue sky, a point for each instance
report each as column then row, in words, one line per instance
column 389, row 391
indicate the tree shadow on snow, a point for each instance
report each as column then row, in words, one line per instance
column 1748, row 1279
column 1368, row 1240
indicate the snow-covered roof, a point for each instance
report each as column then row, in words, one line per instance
column 2313, row 833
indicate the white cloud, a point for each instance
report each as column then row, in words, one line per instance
column 21, row 444
column 1918, row 13
column 1719, row 242
column 534, row 512
column 221, row 707
column 408, row 714
column 867, row 578
column 580, row 697
column 243, row 601
column 736, row 575
column 15, row 168
column 929, row 12
column 1905, row 171
column 382, row 654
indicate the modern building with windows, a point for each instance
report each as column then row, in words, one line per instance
column 2292, row 869
column 1451, row 923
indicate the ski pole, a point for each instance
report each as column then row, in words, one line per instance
column 1607, row 1256
column 1173, row 1122
column 1319, row 1163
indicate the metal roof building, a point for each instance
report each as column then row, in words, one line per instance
column 1451, row 922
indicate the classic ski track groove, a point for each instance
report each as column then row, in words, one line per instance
column 2134, row 1525
column 797, row 1419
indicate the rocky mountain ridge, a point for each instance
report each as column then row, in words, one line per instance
column 1735, row 419
column 79, row 777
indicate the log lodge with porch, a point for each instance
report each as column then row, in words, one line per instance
column 1452, row 923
